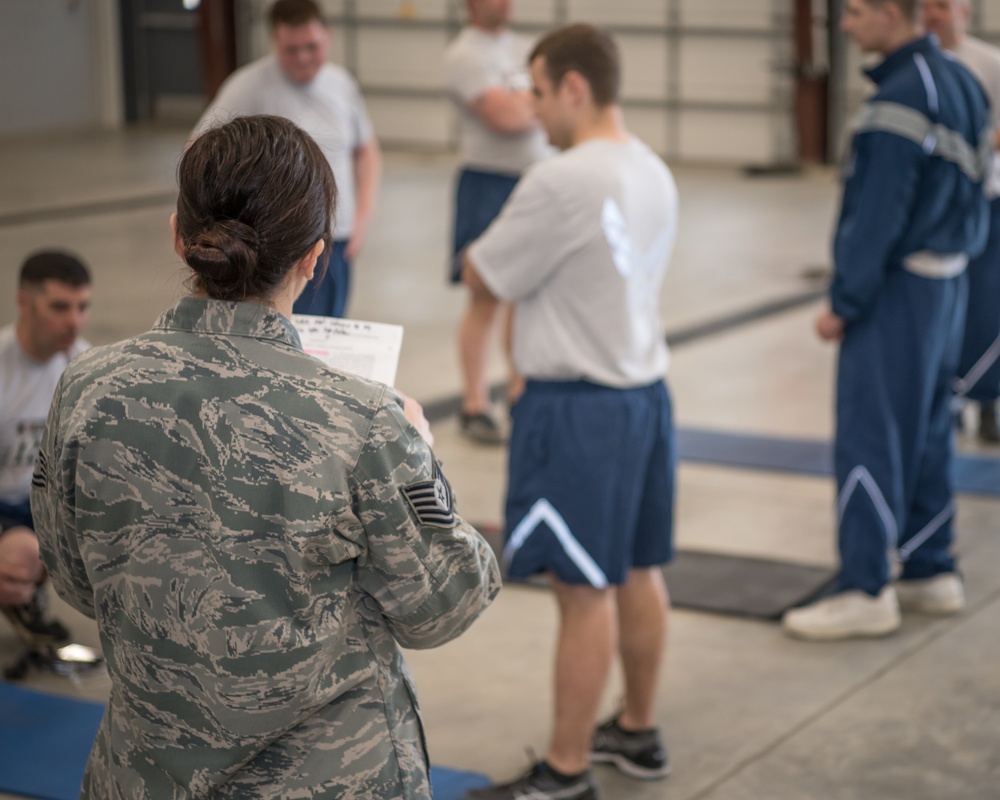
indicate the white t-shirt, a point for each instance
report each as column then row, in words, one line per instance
column 330, row 109
column 478, row 60
column 26, row 389
column 582, row 247
column 983, row 61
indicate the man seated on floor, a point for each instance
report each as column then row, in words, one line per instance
column 53, row 300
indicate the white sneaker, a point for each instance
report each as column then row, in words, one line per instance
column 845, row 616
column 942, row 594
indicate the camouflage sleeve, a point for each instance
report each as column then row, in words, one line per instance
column 52, row 488
column 430, row 572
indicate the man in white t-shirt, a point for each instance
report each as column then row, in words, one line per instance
column 979, row 366
column 53, row 300
column 297, row 81
column 499, row 138
column 581, row 249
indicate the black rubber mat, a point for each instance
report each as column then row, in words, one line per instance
column 743, row 586
column 724, row 584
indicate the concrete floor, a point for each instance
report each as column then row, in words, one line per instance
column 747, row 713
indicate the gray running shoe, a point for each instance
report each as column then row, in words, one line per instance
column 481, row 428
column 540, row 783
column 639, row 754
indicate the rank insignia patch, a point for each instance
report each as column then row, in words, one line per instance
column 431, row 501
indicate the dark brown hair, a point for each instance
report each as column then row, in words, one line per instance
column 53, row 265
column 587, row 50
column 293, row 13
column 255, row 195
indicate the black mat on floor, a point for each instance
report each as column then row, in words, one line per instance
column 723, row 584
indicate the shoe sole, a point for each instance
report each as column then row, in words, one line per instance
column 932, row 607
column 630, row 768
column 839, row 635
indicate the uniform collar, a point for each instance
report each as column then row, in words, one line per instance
column 221, row 318
column 924, row 45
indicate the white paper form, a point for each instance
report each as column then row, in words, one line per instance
column 368, row 349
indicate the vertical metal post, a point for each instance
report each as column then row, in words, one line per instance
column 837, row 101
column 672, row 41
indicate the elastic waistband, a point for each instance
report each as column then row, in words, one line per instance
column 581, row 386
column 939, row 266
column 485, row 173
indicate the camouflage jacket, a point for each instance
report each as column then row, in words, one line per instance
column 254, row 533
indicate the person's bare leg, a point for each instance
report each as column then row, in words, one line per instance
column 474, row 334
column 515, row 381
column 584, row 652
column 643, row 618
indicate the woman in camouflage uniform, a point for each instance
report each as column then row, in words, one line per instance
column 254, row 532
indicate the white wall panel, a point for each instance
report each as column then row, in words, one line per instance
column 620, row 12
column 741, row 14
column 727, row 69
column 727, row 137
column 401, row 57
column 542, row 12
column 644, row 66
column 736, row 65
column 408, row 9
column 989, row 16
column 411, row 121
column 52, row 79
column 651, row 125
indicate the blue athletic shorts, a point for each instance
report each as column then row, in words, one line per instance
column 591, row 481
column 326, row 294
column 479, row 197
column 15, row 515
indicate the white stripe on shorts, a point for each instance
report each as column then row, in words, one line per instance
column 543, row 511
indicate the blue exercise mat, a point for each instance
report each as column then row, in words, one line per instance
column 972, row 474
column 45, row 741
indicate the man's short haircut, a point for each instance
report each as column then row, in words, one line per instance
column 587, row 50
column 53, row 265
column 909, row 8
column 294, row 13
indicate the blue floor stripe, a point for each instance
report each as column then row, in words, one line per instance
column 978, row 475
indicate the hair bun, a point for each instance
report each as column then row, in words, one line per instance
column 225, row 255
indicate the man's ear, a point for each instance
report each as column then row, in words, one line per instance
column 577, row 86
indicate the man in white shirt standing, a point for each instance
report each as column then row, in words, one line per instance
column 53, row 300
column 487, row 76
column 979, row 367
column 581, row 250
column 298, row 82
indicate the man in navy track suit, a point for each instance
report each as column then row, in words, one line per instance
column 913, row 212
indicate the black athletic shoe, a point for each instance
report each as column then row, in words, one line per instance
column 540, row 783
column 988, row 423
column 638, row 754
column 34, row 623
column 481, row 428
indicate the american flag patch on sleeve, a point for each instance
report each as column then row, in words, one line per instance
column 431, row 500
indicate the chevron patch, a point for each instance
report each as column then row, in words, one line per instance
column 431, row 500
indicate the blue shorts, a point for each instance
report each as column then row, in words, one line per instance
column 591, row 481
column 479, row 197
column 326, row 294
column 15, row 515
